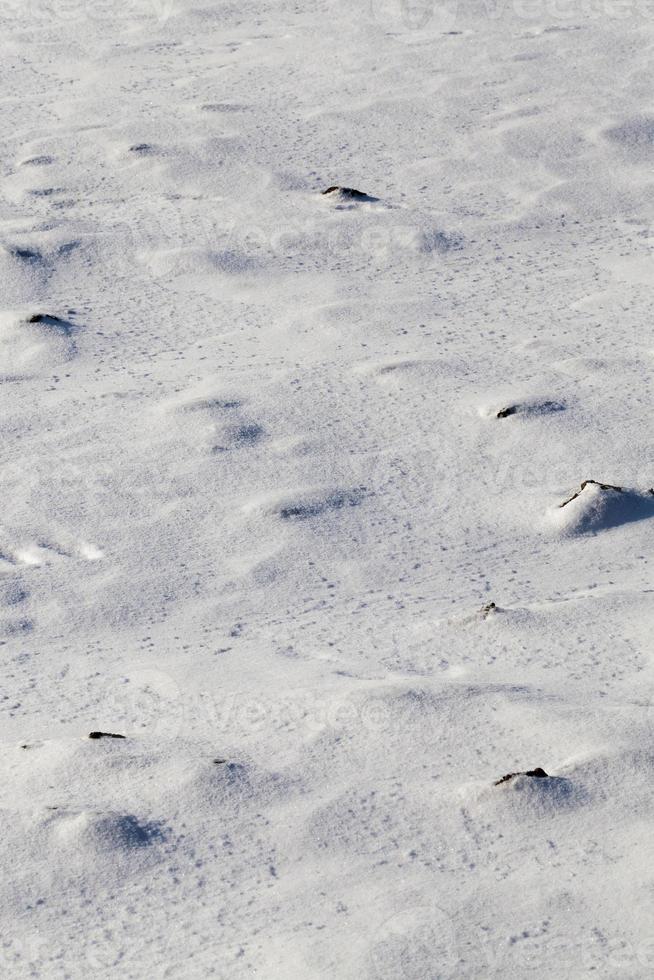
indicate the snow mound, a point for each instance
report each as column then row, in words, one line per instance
column 155, row 776
column 348, row 196
column 539, row 795
column 104, row 832
column 524, row 799
column 29, row 345
column 600, row 506
column 87, row 816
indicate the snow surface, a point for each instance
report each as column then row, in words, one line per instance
column 268, row 458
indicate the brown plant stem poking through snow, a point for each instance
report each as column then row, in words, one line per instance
column 537, row 773
column 603, row 486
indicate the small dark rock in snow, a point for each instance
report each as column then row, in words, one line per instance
column 63, row 327
column 44, row 318
column 537, row 773
column 104, row 735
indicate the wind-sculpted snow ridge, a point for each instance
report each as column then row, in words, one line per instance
column 530, row 406
column 305, row 504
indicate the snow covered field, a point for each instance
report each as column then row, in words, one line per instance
column 269, row 457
